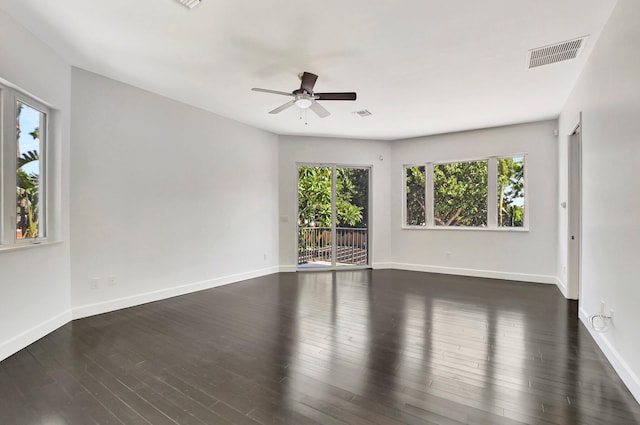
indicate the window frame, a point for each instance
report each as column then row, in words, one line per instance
column 405, row 217
column 9, row 96
column 492, row 193
column 525, row 202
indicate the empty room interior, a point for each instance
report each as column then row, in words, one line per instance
column 240, row 212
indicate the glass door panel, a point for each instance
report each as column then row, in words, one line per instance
column 352, row 216
column 315, row 216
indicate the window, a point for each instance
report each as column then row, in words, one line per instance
column 415, row 196
column 483, row 193
column 24, row 133
column 460, row 194
column 510, row 190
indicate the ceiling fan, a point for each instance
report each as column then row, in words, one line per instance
column 304, row 97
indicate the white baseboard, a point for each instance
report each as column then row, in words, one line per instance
column 382, row 266
column 628, row 376
column 30, row 336
column 287, row 269
column 492, row 274
column 147, row 297
column 562, row 286
column 523, row 277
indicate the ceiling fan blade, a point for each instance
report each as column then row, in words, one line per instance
column 272, row 91
column 283, row 107
column 319, row 109
column 308, row 81
column 335, row 96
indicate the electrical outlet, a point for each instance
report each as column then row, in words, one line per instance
column 447, row 255
column 265, row 257
column 94, row 283
column 111, row 280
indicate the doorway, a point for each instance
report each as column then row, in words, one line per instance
column 574, row 214
column 333, row 216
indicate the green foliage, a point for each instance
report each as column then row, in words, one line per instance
column 416, row 205
column 314, row 196
column 460, row 194
column 27, row 196
column 510, row 192
column 360, row 179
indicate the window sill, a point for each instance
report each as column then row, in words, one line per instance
column 24, row 246
column 469, row 229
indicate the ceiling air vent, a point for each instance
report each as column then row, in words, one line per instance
column 556, row 52
column 190, row 3
column 363, row 113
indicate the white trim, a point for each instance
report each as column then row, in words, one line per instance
column 9, row 98
column 631, row 380
column 492, row 193
column 33, row 334
column 467, row 228
column 562, row 286
column 288, row 269
column 147, row 297
column 33, row 244
column 334, row 215
column 429, row 204
column 383, row 266
column 492, row 274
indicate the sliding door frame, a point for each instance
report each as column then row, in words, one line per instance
column 334, row 167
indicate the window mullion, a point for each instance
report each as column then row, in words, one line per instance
column 7, row 177
column 492, row 193
column 429, row 204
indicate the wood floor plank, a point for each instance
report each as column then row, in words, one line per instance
column 363, row 347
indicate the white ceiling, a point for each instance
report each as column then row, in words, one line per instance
column 420, row 66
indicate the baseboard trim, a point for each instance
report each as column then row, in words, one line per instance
column 147, row 297
column 492, row 274
column 382, row 266
column 287, row 269
column 562, row 287
column 630, row 379
column 24, row 339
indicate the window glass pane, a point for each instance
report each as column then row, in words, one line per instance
column 511, row 192
column 415, row 178
column 460, row 194
column 29, row 123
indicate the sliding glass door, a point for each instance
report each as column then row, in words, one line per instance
column 333, row 216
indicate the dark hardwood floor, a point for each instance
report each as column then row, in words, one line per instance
column 354, row 347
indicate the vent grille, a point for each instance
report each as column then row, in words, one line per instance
column 190, row 3
column 363, row 113
column 558, row 52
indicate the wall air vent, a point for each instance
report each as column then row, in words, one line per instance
column 363, row 113
column 190, row 3
column 557, row 52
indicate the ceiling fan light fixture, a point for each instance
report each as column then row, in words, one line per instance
column 303, row 102
column 190, row 3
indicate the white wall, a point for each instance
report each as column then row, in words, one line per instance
column 298, row 149
column 527, row 256
column 35, row 282
column 608, row 94
column 167, row 198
